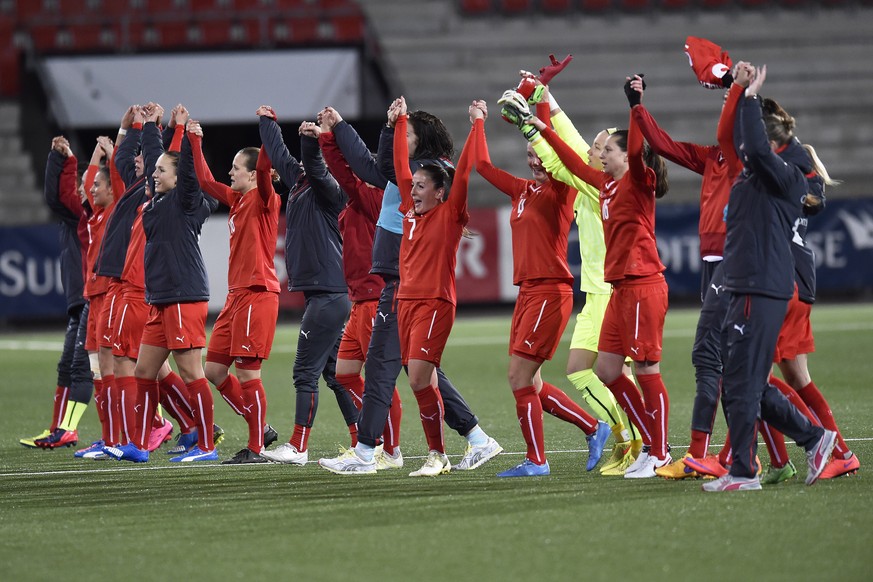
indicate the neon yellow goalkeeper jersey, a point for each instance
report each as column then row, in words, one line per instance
column 592, row 247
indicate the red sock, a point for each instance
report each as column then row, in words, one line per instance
column 529, row 410
column 430, row 410
column 724, row 455
column 59, row 407
column 255, row 412
column 100, row 405
column 354, row 383
column 112, row 389
column 775, row 444
column 353, row 433
column 300, row 437
column 658, row 411
column 630, row 400
column 148, row 393
column 157, row 419
column 125, row 408
column 556, row 402
column 391, row 433
column 204, row 410
column 813, row 398
column 794, row 398
column 174, row 399
column 699, row 444
column 231, row 391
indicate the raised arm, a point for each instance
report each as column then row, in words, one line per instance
column 264, row 176
column 219, row 191
column 323, row 184
column 727, row 122
column 500, row 179
column 636, row 165
column 385, row 154
column 401, row 163
column 286, row 165
column 460, row 184
column 572, row 161
column 152, row 148
column 187, row 185
column 356, row 153
column 59, row 169
column 126, row 151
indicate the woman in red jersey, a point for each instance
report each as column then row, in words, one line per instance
column 243, row 333
column 542, row 210
column 433, row 224
column 632, row 178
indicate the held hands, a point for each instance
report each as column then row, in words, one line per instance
column 179, row 115
column 743, row 73
column 515, row 109
column 153, row 113
column 128, row 117
column 106, row 145
column 139, row 114
column 329, row 118
column 309, row 129
column 193, row 126
column 267, row 111
column 478, row 110
column 633, row 89
column 62, row 146
column 395, row 110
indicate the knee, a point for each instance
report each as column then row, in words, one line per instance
column 215, row 373
column 606, row 373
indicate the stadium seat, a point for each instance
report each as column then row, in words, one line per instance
column 515, row 6
column 44, row 37
column 715, row 4
column 348, row 28
column 294, row 30
column 67, row 8
column 556, row 6
column 10, row 77
column 595, row 5
column 635, row 5
column 27, row 10
column 754, row 3
column 677, row 4
column 476, row 6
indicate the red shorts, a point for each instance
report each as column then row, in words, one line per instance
column 424, row 326
column 538, row 321
column 795, row 337
column 633, row 325
column 176, row 326
column 356, row 335
column 246, row 325
column 95, row 308
column 133, row 312
column 105, row 324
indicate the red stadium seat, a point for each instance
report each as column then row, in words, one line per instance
column 715, row 4
column 556, row 6
column 515, row 6
column 45, row 38
column 294, row 30
column 476, row 6
column 28, row 9
column 348, row 28
column 10, row 76
column 754, row 3
column 635, row 5
column 71, row 7
column 676, row 4
column 595, row 5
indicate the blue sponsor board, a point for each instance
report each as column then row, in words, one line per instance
column 841, row 237
column 30, row 273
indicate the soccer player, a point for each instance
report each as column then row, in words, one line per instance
column 592, row 250
column 759, row 276
column 435, row 205
column 74, row 386
column 243, row 333
column 428, row 143
column 631, row 179
column 357, row 223
column 176, row 289
column 313, row 257
column 540, row 220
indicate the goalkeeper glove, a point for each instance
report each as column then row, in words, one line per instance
column 516, row 111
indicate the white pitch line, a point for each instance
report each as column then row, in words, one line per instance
column 225, row 467
column 51, row 346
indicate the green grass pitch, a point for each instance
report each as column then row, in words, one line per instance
column 65, row 519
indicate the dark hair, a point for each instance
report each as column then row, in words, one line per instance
column 174, row 158
column 779, row 125
column 652, row 160
column 250, row 156
column 440, row 176
column 434, row 140
column 104, row 171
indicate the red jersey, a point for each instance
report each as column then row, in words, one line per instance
column 429, row 248
column 253, row 222
column 627, row 207
column 540, row 220
column 718, row 164
column 96, row 284
column 133, row 274
column 357, row 223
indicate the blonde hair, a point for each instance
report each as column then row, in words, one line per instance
column 818, row 167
